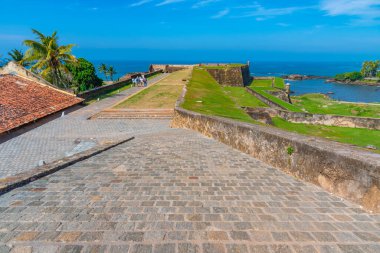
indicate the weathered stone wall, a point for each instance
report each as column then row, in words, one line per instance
column 281, row 95
column 341, row 169
column 264, row 99
column 168, row 68
column 316, row 119
column 232, row 76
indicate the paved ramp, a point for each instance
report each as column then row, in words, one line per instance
column 177, row 191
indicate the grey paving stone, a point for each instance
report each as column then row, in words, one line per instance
column 165, row 248
column 176, row 187
column 188, row 248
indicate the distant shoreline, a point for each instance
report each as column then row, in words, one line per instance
column 297, row 77
column 362, row 83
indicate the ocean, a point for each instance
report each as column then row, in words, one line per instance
column 343, row 92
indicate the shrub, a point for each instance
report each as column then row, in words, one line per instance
column 84, row 75
column 354, row 76
column 290, row 150
column 340, row 77
column 349, row 76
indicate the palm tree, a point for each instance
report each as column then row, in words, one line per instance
column 18, row 57
column 49, row 58
column 111, row 72
column 103, row 69
column 1, row 61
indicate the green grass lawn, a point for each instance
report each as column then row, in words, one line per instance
column 242, row 98
column 356, row 136
column 205, row 95
column 278, row 83
column 321, row 104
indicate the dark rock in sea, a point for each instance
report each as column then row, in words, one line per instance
column 303, row 77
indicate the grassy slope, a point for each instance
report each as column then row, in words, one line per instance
column 226, row 102
column 205, row 95
column 321, row 104
column 355, row 136
column 278, row 83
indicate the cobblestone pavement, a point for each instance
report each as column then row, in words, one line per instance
column 179, row 192
column 70, row 134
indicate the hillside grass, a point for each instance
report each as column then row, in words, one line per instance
column 205, row 95
column 278, row 83
column 322, row 104
column 355, row 136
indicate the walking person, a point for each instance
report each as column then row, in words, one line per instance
column 145, row 81
column 133, row 82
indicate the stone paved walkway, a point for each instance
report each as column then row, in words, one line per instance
column 179, row 192
column 72, row 133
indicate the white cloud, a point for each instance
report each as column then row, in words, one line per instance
column 139, row 3
column 366, row 11
column 166, row 2
column 283, row 24
column 351, row 7
column 203, row 3
column 221, row 14
column 263, row 13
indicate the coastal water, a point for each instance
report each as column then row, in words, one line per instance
column 351, row 93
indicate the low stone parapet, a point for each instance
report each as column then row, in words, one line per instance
column 344, row 170
column 264, row 99
column 107, row 88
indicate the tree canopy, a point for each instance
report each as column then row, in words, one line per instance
column 84, row 75
column 18, row 57
column 370, row 68
column 49, row 58
column 349, row 76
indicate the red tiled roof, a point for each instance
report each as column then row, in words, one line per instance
column 23, row 101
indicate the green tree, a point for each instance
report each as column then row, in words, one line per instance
column 370, row 68
column 353, row 76
column 340, row 77
column 111, row 72
column 18, row 57
column 84, row 75
column 49, row 58
column 103, row 69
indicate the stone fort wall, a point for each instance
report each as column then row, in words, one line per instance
column 231, row 76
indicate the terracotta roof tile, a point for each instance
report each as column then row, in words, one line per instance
column 23, row 101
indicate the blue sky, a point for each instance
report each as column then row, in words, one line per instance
column 201, row 29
